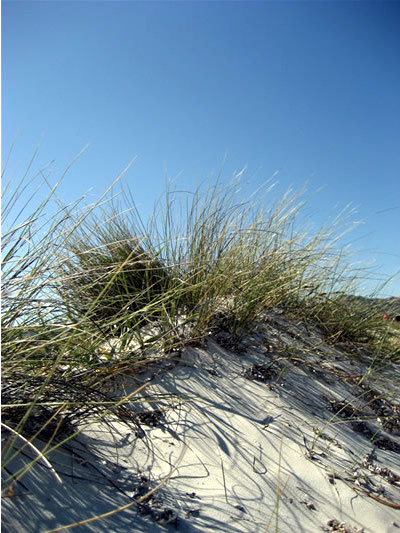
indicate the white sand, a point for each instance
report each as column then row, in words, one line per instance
column 257, row 456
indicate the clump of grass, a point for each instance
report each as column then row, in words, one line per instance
column 112, row 279
column 201, row 254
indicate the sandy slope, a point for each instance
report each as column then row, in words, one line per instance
column 263, row 447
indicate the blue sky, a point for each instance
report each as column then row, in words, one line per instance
column 309, row 89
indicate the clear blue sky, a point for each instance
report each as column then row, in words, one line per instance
column 306, row 88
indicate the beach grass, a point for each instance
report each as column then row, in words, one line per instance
column 90, row 291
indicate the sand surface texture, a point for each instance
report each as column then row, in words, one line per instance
column 275, row 434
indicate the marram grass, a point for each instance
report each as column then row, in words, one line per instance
column 94, row 284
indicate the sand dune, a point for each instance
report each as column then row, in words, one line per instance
column 276, row 434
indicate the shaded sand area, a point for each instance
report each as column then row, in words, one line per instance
column 279, row 433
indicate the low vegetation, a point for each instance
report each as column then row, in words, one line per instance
column 90, row 291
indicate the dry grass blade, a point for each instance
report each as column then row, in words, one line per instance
column 36, row 450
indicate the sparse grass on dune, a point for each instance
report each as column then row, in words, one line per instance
column 94, row 284
column 355, row 322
